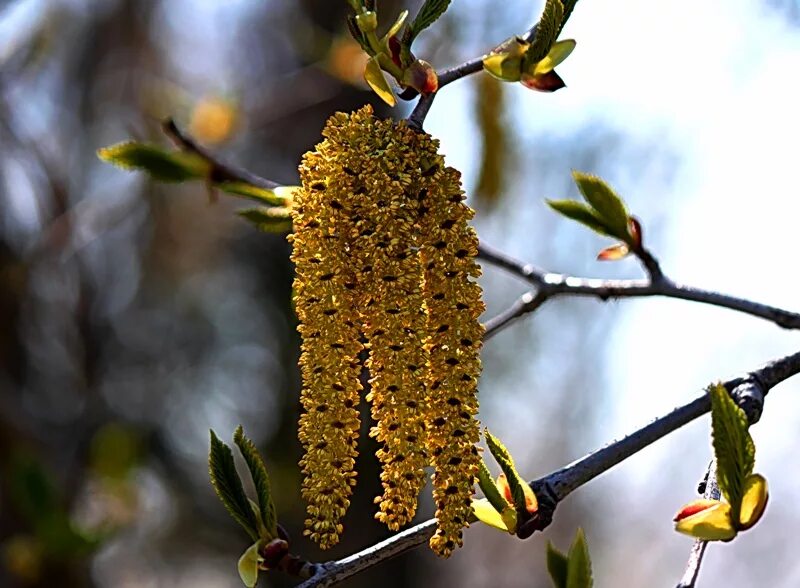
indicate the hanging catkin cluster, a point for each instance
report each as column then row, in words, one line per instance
column 385, row 262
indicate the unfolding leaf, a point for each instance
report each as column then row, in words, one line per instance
column 248, row 565
column 487, row 514
column 569, row 6
column 614, row 253
column 549, row 82
column 579, row 212
column 270, row 220
column 373, row 75
column 258, row 471
column 608, row 206
column 395, row 28
column 556, row 566
column 228, row 486
column 547, row 30
column 160, row 164
column 524, row 498
column 579, row 564
column 275, row 197
column 557, row 54
column 709, row 520
column 427, row 15
column 754, row 501
column 733, row 446
column 490, row 489
column 505, row 62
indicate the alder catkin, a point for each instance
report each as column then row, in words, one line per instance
column 384, row 254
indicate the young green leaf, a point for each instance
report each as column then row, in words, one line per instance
column 569, row 6
column 556, row 566
column 579, row 565
column 160, row 164
column 270, row 220
column 524, row 499
column 258, row 471
column 228, row 486
column 427, row 15
column 555, row 57
column 546, row 31
column 581, row 213
column 489, row 488
column 607, row 204
column 373, row 75
column 248, row 565
column 733, row 445
column 486, row 513
column 251, row 192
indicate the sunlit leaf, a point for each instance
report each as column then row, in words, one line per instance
column 276, row 219
column 487, row 514
column 228, row 486
column 608, row 206
column 579, row 564
column 522, row 500
column 258, row 471
column 373, row 75
column 556, row 566
column 580, row 212
column 558, row 53
column 248, row 565
column 427, row 15
column 160, row 164
column 733, row 446
column 614, row 253
column 754, row 501
column 505, row 62
column 546, row 31
column 706, row 520
column 490, row 489
column 398, row 24
column 275, row 197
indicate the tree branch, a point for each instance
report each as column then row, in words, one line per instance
column 554, row 487
column 549, row 285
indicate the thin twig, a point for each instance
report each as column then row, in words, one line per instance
column 548, row 285
column 220, row 171
column 554, row 487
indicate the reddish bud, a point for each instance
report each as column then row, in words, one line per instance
column 273, row 552
column 548, row 82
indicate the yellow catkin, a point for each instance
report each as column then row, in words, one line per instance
column 453, row 304
column 383, row 250
column 329, row 326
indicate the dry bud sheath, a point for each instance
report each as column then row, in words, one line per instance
column 383, row 250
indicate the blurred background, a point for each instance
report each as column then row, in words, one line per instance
column 135, row 316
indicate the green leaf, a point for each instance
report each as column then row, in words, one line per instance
column 547, row 30
column 506, row 462
column 607, row 204
column 258, row 471
column 556, row 566
column 160, row 164
column 260, row 195
column 427, row 15
column 228, row 486
column 248, row 565
column 581, row 213
column 270, row 220
column 569, row 6
column 579, row 565
column 556, row 56
column 486, row 513
column 489, row 488
column 356, row 33
column 733, row 445
column 373, row 75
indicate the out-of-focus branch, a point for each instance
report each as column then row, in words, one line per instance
column 220, row 171
column 553, row 488
column 549, row 285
